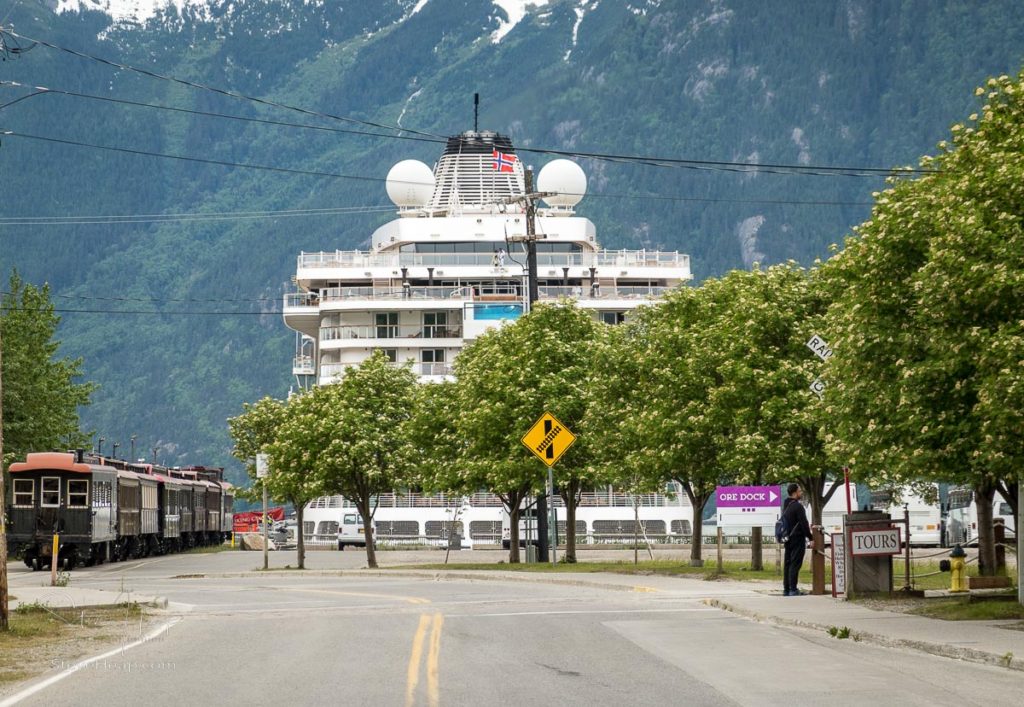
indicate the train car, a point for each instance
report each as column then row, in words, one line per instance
column 185, row 503
column 227, row 516
column 63, row 494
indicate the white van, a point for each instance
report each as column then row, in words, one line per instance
column 351, row 530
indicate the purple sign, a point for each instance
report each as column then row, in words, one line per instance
column 747, row 496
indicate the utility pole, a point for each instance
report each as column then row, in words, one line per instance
column 4, row 615
column 529, row 201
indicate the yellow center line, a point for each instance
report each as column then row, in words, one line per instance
column 433, row 690
column 413, row 671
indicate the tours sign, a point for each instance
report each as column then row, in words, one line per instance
column 548, row 439
column 879, row 541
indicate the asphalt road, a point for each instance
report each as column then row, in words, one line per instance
column 304, row 639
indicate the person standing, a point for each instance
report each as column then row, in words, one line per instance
column 796, row 544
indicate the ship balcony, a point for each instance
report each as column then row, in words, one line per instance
column 384, row 336
column 597, row 259
column 303, row 366
column 302, row 312
column 334, row 372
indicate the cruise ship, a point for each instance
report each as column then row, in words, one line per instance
column 448, row 268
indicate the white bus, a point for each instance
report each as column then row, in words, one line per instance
column 962, row 525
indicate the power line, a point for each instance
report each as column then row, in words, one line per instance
column 42, row 90
column 186, row 218
column 149, row 311
column 214, row 89
column 336, row 175
column 714, row 165
column 220, row 163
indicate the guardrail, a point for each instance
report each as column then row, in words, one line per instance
column 600, row 258
column 388, row 331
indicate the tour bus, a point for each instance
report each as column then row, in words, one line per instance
column 925, row 517
column 962, row 524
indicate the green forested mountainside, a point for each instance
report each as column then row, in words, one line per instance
column 850, row 82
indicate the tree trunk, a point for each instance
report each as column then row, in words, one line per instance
column 570, row 495
column 363, row 505
column 1009, row 487
column 984, row 495
column 300, row 545
column 513, row 534
column 698, row 500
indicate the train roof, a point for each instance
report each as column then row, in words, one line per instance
column 56, row 461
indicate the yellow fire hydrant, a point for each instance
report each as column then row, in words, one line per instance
column 958, row 570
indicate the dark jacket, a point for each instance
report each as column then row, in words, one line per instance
column 796, row 518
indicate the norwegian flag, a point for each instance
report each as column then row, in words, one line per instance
column 503, row 162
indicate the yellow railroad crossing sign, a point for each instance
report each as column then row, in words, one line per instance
column 548, row 439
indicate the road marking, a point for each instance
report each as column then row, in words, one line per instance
column 433, row 689
column 29, row 691
column 434, row 623
column 370, row 595
column 413, row 671
column 582, row 611
column 646, row 590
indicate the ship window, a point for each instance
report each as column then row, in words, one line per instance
column 433, row 355
column 78, row 493
column 435, row 324
column 613, row 317
column 24, row 492
column 387, row 325
column 391, row 354
column 51, row 491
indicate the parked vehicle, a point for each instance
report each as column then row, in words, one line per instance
column 351, row 531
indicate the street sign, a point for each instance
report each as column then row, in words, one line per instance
column 818, row 387
column 261, row 466
column 838, row 564
column 548, row 439
column 747, row 506
column 819, row 347
column 878, row 541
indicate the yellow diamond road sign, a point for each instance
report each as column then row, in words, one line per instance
column 548, row 439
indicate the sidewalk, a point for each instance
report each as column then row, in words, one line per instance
column 79, row 598
column 977, row 641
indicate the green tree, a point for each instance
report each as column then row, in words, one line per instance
column 764, row 318
column 268, row 426
column 926, row 378
column 356, row 435
column 506, row 380
column 41, row 397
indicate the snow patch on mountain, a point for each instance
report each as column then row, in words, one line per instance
column 580, row 10
column 746, row 233
column 515, row 11
column 138, row 10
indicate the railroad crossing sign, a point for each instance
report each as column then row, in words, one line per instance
column 548, row 439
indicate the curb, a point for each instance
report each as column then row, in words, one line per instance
column 150, row 601
column 435, row 575
column 939, row 649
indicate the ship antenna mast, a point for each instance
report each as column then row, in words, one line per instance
column 476, row 112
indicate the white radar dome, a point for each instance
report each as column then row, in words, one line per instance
column 410, row 183
column 564, row 177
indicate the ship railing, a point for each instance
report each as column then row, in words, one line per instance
column 588, row 292
column 335, row 333
column 301, row 299
column 598, row 259
column 334, row 294
column 332, row 370
column 303, row 365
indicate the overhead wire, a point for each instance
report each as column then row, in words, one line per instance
column 715, row 165
column 213, row 89
column 187, row 218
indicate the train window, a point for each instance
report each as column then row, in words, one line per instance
column 24, row 492
column 78, row 493
column 51, row 491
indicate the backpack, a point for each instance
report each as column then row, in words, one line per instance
column 782, row 529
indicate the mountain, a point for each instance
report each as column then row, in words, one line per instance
column 848, row 83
